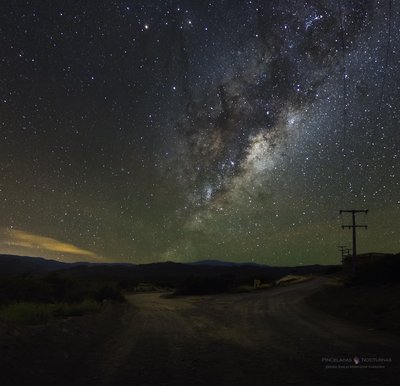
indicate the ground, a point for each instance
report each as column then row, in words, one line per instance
column 271, row 337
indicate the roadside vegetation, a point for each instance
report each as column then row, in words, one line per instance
column 366, row 299
column 195, row 285
column 292, row 279
column 28, row 299
column 38, row 313
column 251, row 288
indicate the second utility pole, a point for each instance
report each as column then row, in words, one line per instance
column 354, row 226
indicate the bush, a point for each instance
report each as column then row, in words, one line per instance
column 107, row 292
column 25, row 289
column 64, row 289
column 76, row 309
column 194, row 285
column 292, row 279
column 52, row 288
column 26, row 313
column 244, row 288
column 39, row 313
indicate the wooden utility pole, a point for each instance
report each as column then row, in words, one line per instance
column 342, row 248
column 347, row 251
column 354, row 227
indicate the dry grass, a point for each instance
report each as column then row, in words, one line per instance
column 377, row 307
column 250, row 288
column 39, row 313
column 293, row 279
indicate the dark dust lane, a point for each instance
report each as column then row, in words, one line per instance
column 265, row 338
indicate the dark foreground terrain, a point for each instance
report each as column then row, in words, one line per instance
column 271, row 337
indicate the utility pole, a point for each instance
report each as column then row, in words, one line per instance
column 347, row 251
column 342, row 248
column 353, row 226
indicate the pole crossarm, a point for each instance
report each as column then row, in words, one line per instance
column 353, row 211
column 355, row 226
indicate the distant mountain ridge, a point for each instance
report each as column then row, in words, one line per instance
column 10, row 264
column 13, row 264
column 221, row 263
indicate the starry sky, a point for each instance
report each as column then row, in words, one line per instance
column 142, row 130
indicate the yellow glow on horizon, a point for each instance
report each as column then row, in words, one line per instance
column 22, row 239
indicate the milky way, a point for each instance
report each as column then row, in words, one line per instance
column 162, row 130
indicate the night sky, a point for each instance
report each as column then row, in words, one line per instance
column 142, row 131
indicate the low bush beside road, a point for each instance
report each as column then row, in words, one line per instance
column 376, row 307
column 38, row 313
column 26, row 299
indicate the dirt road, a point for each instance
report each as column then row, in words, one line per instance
column 266, row 338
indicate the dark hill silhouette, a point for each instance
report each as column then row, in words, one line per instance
column 165, row 272
column 11, row 264
column 216, row 263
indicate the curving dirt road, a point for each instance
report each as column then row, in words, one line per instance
column 266, row 338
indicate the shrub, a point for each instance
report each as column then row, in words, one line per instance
column 108, row 292
column 26, row 313
column 76, row 309
column 243, row 288
column 39, row 313
column 194, row 285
